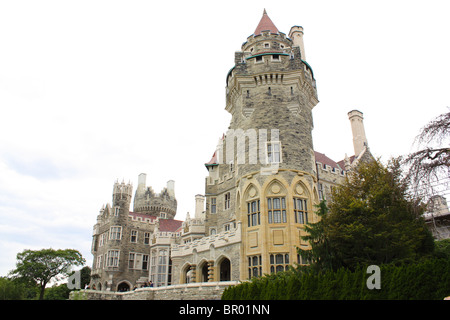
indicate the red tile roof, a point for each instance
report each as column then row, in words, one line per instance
column 323, row 159
column 170, row 225
column 213, row 160
column 265, row 25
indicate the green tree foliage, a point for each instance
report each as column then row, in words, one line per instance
column 428, row 279
column 44, row 265
column 372, row 220
column 320, row 256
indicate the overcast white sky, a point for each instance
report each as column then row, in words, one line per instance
column 94, row 91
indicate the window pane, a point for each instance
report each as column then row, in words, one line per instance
column 276, row 203
column 279, row 258
column 269, row 202
column 276, row 147
column 277, row 216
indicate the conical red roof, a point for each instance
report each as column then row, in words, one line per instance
column 265, row 25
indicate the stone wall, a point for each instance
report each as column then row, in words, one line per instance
column 191, row 291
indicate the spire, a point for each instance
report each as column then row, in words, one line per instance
column 265, row 25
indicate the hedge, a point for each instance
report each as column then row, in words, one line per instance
column 425, row 280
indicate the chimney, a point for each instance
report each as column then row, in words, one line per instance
column 359, row 135
column 142, row 178
column 296, row 35
column 171, row 188
column 199, row 206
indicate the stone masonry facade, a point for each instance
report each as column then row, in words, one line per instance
column 264, row 181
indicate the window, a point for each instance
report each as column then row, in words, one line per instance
column 253, row 213
column 275, row 57
column 145, row 262
column 277, row 210
column 254, row 266
column 131, row 261
column 279, row 262
column 213, row 205
column 99, row 262
column 115, row 233
column 113, row 258
column 258, row 59
column 300, row 211
column 227, row 200
column 321, row 197
column 301, row 260
column 103, row 238
column 212, row 231
column 266, row 45
column 116, row 211
column 137, row 261
column 274, row 152
column 134, row 235
column 147, row 238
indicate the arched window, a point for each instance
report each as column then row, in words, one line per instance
column 253, row 213
column 300, row 210
column 277, row 210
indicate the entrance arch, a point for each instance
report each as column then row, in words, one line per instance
column 123, row 286
column 225, row 270
column 204, row 274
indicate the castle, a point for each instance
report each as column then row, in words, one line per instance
column 264, row 180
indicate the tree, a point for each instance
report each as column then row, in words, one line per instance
column 44, row 265
column 371, row 220
column 319, row 255
column 429, row 168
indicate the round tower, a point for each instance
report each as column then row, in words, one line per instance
column 163, row 205
column 271, row 92
column 264, row 178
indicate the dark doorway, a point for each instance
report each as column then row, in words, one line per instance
column 123, row 286
column 225, row 270
column 205, row 273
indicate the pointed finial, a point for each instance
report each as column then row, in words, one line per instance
column 264, row 11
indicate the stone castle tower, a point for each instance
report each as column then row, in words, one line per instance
column 264, row 180
column 122, row 246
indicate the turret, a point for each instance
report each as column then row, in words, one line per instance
column 359, row 135
column 163, row 205
column 271, row 92
column 296, row 34
column 122, row 194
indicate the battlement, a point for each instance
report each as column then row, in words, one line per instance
column 163, row 204
column 266, row 36
column 123, row 188
column 218, row 240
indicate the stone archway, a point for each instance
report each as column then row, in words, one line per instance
column 123, row 286
column 225, row 270
column 204, row 273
